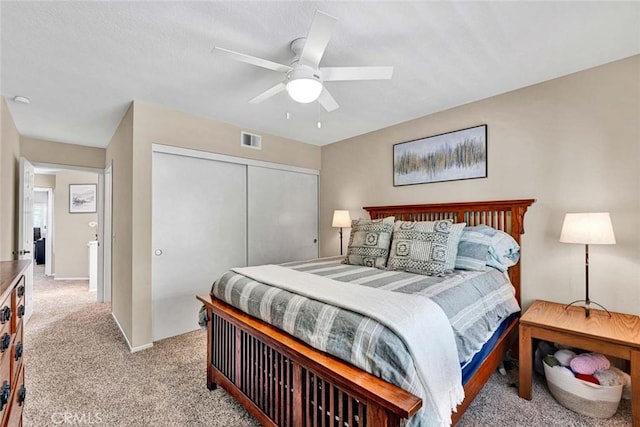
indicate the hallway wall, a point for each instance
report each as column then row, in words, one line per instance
column 71, row 231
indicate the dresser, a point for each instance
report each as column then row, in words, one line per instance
column 12, row 301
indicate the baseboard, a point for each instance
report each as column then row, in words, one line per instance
column 71, row 278
column 131, row 349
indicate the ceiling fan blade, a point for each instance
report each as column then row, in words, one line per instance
column 317, row 39
column 264, row 63
column 268, row 93
column 327, row 101
column 332, row 74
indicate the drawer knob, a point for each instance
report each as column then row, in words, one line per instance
column 18, row 353
column 20, row 291
column 5, row 342
column 22, row 394
column 5, row 314
column 5, row 392
column 21, row 310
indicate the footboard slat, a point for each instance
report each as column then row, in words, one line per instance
column 282, row 386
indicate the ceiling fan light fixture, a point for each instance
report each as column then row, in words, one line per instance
column 303, row 85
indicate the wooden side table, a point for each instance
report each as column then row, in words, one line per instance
column 618, row 336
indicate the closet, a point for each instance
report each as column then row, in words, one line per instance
column 213, row 212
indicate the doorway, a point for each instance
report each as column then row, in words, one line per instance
column 67, row 203
column 42, row 230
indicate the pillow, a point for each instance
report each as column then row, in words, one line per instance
column 504, row 251
column 426, row 247
column 473, row 251
column 369, row 242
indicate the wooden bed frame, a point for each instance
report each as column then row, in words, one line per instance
column 282, row 381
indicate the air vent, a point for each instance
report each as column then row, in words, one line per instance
column 251, row 140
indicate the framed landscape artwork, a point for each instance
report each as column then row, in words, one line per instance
column 82, row 198
column 451, row 156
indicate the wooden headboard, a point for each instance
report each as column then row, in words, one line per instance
column 505, row 215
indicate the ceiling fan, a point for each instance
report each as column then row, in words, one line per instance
column 304, row 81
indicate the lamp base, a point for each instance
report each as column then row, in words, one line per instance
column 587, row 306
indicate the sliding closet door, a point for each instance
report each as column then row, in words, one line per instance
column 283, row 216
column 199, row 232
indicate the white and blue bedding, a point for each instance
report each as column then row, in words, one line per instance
column 474, row 302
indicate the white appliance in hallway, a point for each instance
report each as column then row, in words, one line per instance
column 93, row 265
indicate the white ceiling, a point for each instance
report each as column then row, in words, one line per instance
column 82, row 63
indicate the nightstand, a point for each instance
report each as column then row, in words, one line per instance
column 618, row 336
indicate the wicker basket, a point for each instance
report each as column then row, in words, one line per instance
column 582, row 397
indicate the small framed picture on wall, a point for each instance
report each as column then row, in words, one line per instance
column 82, row 198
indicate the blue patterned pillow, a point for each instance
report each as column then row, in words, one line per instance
column 504, row 251
column 425, row 247
column 473, row 251
column 369, row 242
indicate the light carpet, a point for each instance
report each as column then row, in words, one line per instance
column 79, row 371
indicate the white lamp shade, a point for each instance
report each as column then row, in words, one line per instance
column 593, row 228
column 304, row 90
column 341, row 219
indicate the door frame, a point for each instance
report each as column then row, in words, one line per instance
column 106, row 235
column 100, row 208
column 188, row 152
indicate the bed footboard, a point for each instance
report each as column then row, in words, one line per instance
column 282, row 381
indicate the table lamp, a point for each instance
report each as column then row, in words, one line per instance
column 341, row 219
column 592, row 228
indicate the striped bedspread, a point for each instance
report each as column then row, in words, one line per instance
column 474, row 302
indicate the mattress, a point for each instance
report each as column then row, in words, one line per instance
column 475, row 302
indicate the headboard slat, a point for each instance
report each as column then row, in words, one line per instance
column 505, row 215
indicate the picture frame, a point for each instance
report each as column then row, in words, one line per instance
column 82, row 198
column 451, row 156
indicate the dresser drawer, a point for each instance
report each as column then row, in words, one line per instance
column 6, row 339
column 7, row 329
column 17, row 351
column 7, row 315
column 14, row 418
column 20, row 292
column 18, row 313
column 18, row 304
column 5, row 383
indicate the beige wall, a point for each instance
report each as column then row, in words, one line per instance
column 45, row 180
column 71, row 231
column 41, row 151
column 155, row 124
column 9, row 166
column 120, row 153
column 131, row 152
column 572, row 143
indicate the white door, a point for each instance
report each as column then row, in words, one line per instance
column 283, row 215
column 25, row 228
column 199, row 232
